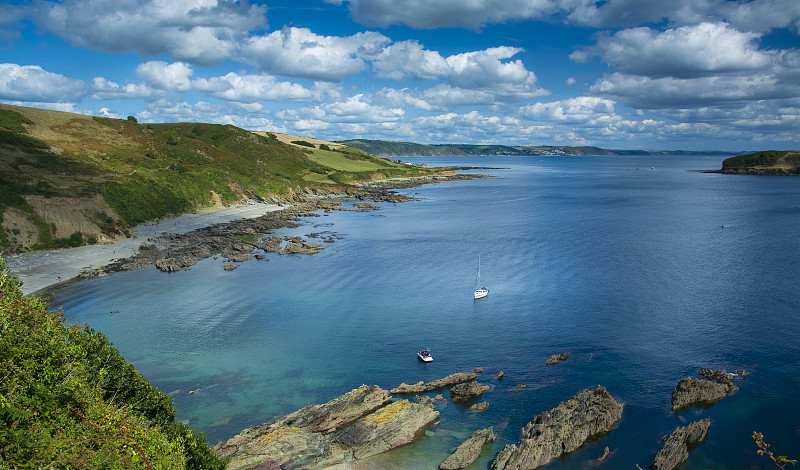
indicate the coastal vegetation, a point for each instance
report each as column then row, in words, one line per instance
column 769, row 162
column 68, row 398
column 67, row 178
column 387, row 148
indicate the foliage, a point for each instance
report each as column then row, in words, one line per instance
column 324, row 147
column 68, row 399
column 142, row 200
column 304, row 143
column 766, row 158
column 763, row 449
column 75, row 239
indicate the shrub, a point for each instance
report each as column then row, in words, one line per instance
column 68, row 399
column 304, row 143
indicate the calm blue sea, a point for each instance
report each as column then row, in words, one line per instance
column 644, row 268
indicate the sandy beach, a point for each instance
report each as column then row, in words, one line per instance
column 46, row 268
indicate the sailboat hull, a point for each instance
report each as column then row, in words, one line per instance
column 480, row 293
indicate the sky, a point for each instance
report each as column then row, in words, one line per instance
column 620, row 74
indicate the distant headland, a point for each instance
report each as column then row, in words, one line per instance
column 386, row 148
column 769, row 162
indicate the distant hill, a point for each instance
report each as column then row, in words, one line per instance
column 68, row 179
column 387, row 148
column 770, row 162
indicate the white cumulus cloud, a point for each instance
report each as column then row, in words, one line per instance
column 258, row 87
column 196, row 31
column 298, row 52
column 31, row 83
column 582, row 109
column 685, row 52
column 164, row 76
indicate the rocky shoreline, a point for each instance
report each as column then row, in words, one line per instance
column 368, row 421
column 245, row 239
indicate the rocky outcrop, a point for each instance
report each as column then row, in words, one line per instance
column 308, row 248
column 420, row 387
column 586, row 416
column 389, row 427
column 675, row 449
column 354, row 426
column 556, row 358
column 340, row 411
column 170, row 265
column 691, row 392
column 467, row 391
column 478, row 407
column 469, row 450
column 721, row 376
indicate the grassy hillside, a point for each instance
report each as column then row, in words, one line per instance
column 107, row 175
column 68, row 399
column 399, row 149
column 770, row 162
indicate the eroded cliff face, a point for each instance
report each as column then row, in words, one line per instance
column 52, row 218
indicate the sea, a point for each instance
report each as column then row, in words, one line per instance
column 644, row 268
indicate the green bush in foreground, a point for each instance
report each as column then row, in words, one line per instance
column 68, row 399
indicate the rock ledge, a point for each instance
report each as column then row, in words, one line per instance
column 551, row 434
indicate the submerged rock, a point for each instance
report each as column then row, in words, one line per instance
column 692, row 392
column 469, row 450
column 676, row 446
column 551, row 434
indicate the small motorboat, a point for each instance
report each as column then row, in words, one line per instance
column 424, row 355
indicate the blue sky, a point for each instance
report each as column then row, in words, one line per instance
column 628, row 74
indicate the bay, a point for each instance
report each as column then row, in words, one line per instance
column 644, row 268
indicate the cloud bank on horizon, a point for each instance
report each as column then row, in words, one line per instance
column 721, row 74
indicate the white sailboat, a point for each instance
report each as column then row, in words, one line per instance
column 480, row 292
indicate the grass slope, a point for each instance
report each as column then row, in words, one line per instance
column 148, row 171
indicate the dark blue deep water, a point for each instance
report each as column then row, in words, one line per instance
column 644, row 268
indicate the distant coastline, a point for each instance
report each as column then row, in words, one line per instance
column 385, row 148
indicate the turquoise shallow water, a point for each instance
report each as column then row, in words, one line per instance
column 644, row 268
